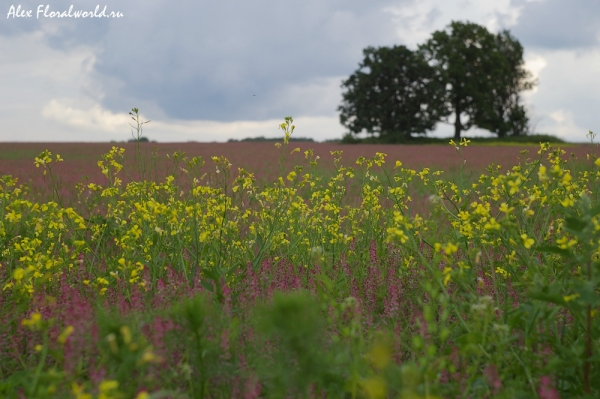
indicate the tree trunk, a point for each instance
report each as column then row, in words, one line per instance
column 457, row 125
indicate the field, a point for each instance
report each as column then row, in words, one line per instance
column 260, row 158
column 331, row 271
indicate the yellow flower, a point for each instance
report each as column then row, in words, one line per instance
column 375, row 388
column 514, row 186
column 569, row 298
column 126, row 334
column 105, row 387
column 13, row 216
column 566, row 243
column 527, row 242
column 492, row 225
column 34, row 322
column 542, row 173
column 18, row 274
column 79, row 392
column 450, row 248
column 568, row 201
column 62, row 338
column 544, row 147
column 447, row 275
column 502, row 272
column 380, row 355
column 504, row 208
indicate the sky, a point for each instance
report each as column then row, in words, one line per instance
column 216, row 70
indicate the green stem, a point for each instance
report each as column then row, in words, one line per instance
column 587, row 366
column 527, row 372
column 40, row 366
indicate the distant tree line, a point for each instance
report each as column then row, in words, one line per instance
column 463, row 75
column 262, row 138
column 141, row 140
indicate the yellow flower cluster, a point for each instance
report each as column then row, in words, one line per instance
column 503, row 212
column 220, row 223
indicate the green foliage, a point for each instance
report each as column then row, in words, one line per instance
column 124, row 350
column 197, row 316
column 576, row 295
column 298, row 359
column 274, row 139
column 393, row 95
column 141, row 140
column 520, row 139
column 464, row 71
column 501, row 111
column 464, row 57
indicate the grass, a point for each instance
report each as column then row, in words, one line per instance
column 368, row 279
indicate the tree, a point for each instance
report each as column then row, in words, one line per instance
column 141, row 140
column 466, row 58
column 503, row 113
column 393, row 94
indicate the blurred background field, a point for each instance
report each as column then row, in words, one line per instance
column 261, row 158
column 328, row 271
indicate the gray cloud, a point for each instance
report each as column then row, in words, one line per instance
column 432, row 16
column 559, row 24
column 246, row 64
column 226, row 60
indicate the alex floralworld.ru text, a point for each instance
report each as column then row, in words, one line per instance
column 45, row 12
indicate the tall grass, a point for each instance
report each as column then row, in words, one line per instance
column 343, row 285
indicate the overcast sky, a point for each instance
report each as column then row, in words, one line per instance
column 213, row 70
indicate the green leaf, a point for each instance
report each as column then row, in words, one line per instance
column 208, row 286
column 595, row 211
column 587, row 293
column 259, row 241
column 547, row 294
column 555, row 250
column 328, row 284
column 575, row 224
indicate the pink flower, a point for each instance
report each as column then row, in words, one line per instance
column 546, row 389
column 491, row 374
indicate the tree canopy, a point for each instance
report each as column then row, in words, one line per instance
column 394, row 93
column 503, row 113
column 463, row 71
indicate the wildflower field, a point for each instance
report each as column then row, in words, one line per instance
column 326, row 277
